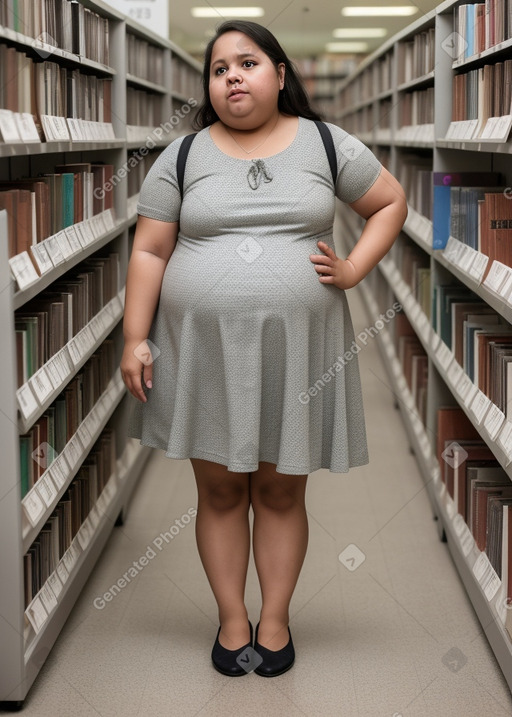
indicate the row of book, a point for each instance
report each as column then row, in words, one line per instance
column 482, row 219
column 483, row 93
column 416, row 57
column 382, row 73
column 479, row 487
column 461, row 206
column 416, row 108
column 479, row 26
column 62, row 24
column 414, row 267
column 40, row 207
column 138, row 174
column 479, row 338
column 184, row 78
column 414, row 362
column 385, row 109
column 60, row 421
column 143, row 109
column 44, row 326
column 144, row 59
column 415, row 175
column 43, row 556
column 47, row 88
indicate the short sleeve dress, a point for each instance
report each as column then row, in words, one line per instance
column 254, row 359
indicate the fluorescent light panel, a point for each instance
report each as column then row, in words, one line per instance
column 344, row 32
column 346, row 47
column 208, row 12
column 375, row 11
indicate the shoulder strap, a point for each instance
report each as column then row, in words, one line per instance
column 329, row 148
column 182, row 159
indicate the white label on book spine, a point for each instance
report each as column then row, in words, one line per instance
column 506, row 285
column 48, row 598
column 33, row 506
column 455, row 372
column 41, row 257
column 74, row 350
column 64, row 244
column 467, row 541
column 94, row 517
column 26, row 401
column 84, row 433
column 46, row 489
column 505, row 438
column 464, row 385
column 59, row 127
column 451, row 249
column 36, row 614
column 496, row 276
column 84, row 534
column 494, row 420
column 480, row 405
column 55, row 583
column 69, row 559
column 444, row 356
column 54, row 250
column 490, row 128
column 435, row 340
column 26, row 127
column 479, row 265
column 23, row 270
column 73, row 239
column 59, row 470
column 486, row 576
column 8, row 127
column 41, row 384
column 62, row 571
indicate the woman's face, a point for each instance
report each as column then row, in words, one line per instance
column 244, row 84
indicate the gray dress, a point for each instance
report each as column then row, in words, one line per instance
column 254, row 358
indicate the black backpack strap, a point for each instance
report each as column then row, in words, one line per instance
column 182, row 159
column 328, row 141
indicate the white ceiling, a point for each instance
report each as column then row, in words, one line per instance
column 303, row 27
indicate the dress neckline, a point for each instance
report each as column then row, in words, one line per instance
column 270, row 156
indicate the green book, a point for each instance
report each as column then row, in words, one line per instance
column 68, row 200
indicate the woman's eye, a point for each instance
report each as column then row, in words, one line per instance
column 251, row 63
column 219, row 70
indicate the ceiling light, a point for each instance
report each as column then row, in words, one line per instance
column 343, row 32
column 392, row 11
column 346, row 47
column 227, row 11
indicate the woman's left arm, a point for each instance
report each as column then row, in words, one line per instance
column 384, row 207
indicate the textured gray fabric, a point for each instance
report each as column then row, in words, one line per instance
column 251, row 365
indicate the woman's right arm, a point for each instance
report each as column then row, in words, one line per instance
column 153, row 245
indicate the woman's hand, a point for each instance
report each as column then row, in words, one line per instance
column 332, row 269
column 136, row 363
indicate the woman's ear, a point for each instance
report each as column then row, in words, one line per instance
column 281, row 69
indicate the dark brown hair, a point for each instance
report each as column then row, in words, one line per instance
column 293, row 98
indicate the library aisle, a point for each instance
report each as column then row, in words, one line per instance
column 395, row 635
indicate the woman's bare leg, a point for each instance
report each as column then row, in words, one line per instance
column 223, row 541
column 280, row 539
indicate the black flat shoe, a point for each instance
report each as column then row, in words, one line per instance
column 233, row 663
column 275, row 662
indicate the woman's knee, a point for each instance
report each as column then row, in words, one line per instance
column 274, row 491
column 220, row 489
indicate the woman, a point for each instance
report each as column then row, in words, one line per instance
column 244, row 300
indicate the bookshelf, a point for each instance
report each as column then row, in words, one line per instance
column 138, row 92
column 414, row 140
